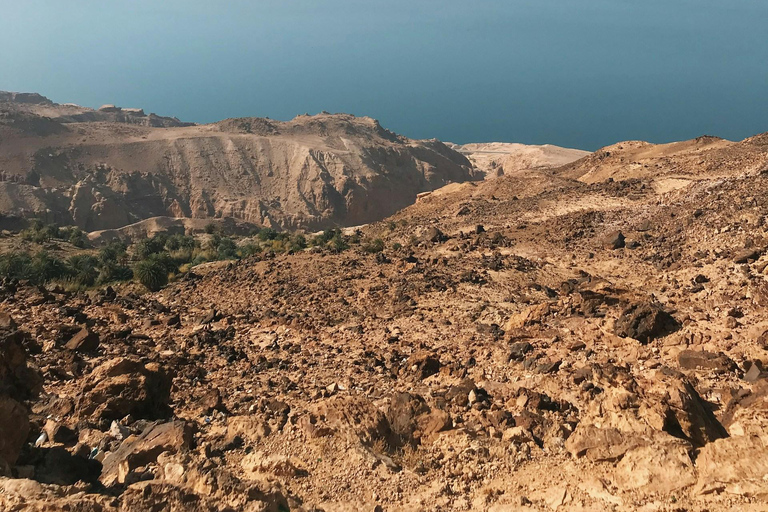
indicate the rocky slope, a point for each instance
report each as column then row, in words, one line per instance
column 533, row 342
column 112, row 167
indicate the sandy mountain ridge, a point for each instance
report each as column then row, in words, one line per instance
column 108, row 168
column 500, row 158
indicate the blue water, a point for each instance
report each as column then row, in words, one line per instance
column 578, row 73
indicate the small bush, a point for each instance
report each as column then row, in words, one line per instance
column 44, row 267
column 77, row 237
column 152, row 272
column 326, row 236
column 248, row 249
column 111, row 272
column 180, row 242
column 227, row 249
column 298, row 243
column 15, row 265
column 374, row 246
column 113, row 252
column 338, row 243
column 213, row 242
column 149, row 246
column 267, row 234
column 39, row 232
column 82, row 269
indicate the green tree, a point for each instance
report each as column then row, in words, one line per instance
column 82, row 268
column 152, row 272
column 227, row 249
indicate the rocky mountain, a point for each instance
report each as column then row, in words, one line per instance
column 106, row 168
column 589, row 337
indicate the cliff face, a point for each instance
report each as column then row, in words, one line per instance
column 107, row 168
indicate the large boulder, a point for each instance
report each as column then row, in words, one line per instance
column 60, row 467
column 600, row 444
column 17, row 383
column 351, row 416
column 736, row 465
column 124, row 386
column 136, row 451
column 14, row 429
column 644, row 322
column 662, row 467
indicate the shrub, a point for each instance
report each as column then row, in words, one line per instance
column 210, row 228
column 44, row 267
column 213, row 242
column 277, row 246
column 183, row 255
column 39, row 232
column 77, row 237
column 338, row 243
column 227, row 249
column 15, row 265
column 298, row 243
column 267, row 234
column 325, row 237
column 82, row 269
column 374, row 246
column 178, row 242
column 248, row 249
column 199, row 259
column 112, row 252
column 152, row 273
column 110, row 272
column 149, row 246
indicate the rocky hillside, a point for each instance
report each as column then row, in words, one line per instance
column 503, row 158
column 106, row 168
column 534, row 342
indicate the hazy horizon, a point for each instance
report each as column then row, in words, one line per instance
column 580, row 74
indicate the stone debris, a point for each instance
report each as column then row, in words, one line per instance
column 501, row 352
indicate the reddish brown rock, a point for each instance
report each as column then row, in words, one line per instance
column 84, row 341
column 644, row 322
column 124, row 386
column 141, row 450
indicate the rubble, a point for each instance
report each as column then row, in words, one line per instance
column 518, row 366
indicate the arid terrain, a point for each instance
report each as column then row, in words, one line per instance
column 576, row 337
column 503, row 158
column 104, row 169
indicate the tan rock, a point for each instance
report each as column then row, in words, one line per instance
column 661, row 467
column 736, row 465
column 140, row 450
column 259, row 465
column 124, row 386
column 600, row 444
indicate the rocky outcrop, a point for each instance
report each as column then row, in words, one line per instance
column 124, row 386
column 17, row 383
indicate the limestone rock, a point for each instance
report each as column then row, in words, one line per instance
column 658, row 468
column 736, row 465
column 136, row 451
column 124, row 386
